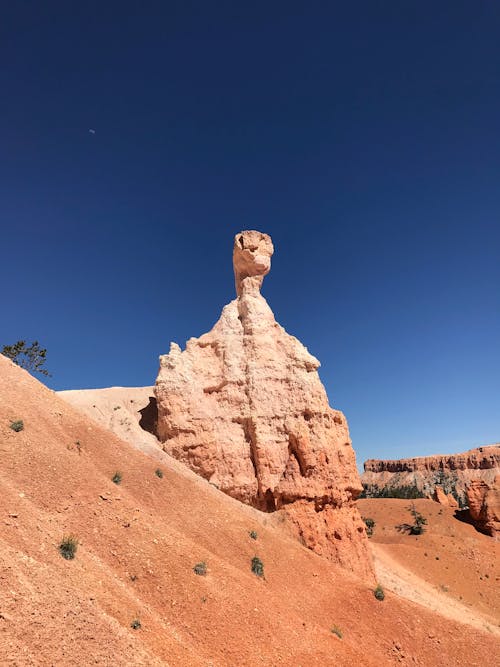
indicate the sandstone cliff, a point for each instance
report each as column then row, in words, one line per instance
column 453, row 472
column 243, row 406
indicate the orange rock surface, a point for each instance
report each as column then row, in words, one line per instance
column 444, row 499
column 484, row 506
column 243, row 406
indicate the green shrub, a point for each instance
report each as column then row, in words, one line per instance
column 200, row 569
column 257, row 566
column 17, row 425
column 68, row 547
column 370, row 525
column 379, row 593
column 159, row 473
column 117, row 478
column 253, row 534
column 136, row 624
column 336, row 631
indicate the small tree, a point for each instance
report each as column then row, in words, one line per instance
column 419, row 521
column 30, row 357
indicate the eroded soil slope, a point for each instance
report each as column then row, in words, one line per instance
column 451, row 566
column 139, row 542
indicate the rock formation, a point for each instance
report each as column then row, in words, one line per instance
column 484, row 506
column 243, row 406
column 448, row 500
column 453, row 472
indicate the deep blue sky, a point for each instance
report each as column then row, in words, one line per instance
column 363, row 136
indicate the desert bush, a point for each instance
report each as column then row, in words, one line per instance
column 200, row 569
column 336, row 631
column 370, row 525
column 257, row 566
column 379, row 593
column 159, row 473
column 253, row 534
column 17, row 425
column 117, row 478
column 31, row 357
column 136, row 624
column 68, row 547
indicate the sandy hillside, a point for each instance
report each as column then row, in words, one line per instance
column 130, row 412
column 451, row 567
column 139, row 542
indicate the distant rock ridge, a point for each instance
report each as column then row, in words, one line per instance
column 481, row 458
column 434, row 476
column 243, row 406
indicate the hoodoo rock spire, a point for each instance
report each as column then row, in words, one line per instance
column 243, row 406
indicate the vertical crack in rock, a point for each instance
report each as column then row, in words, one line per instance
column 244, row 407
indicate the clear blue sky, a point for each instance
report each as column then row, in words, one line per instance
column 363, row 136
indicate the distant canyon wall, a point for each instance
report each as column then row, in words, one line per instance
column 472, row 478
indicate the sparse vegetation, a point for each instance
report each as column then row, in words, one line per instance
column 136, row 624
column 419, row 521
column 253, row 534
column 370, row 525
column 68, row 547
column 30, row 357
column 17, row 425
column 409, row 491
column 159, row 473
column 379, row 593
column 117, row 478
column 200, row 569
column 117, row 407
column 257, row 566
column 77, row 446
column 336, row 631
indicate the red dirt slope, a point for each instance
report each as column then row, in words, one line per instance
column 460, row 565
column 139, row 542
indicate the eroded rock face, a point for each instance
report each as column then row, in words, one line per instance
column 452, row 472
column 243, row 406
column 484, row 506
column 444, row 499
